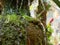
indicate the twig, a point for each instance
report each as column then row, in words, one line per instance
column 21, row 4
column 43, row 8
column 28, row 2
column 44, row 31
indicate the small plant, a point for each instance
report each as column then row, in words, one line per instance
column 48, row 33
column 12, row 31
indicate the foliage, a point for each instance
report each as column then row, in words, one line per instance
column 12, row 31
column 14, row 27
column 48, row 33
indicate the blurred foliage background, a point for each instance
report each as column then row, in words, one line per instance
column 17, row 27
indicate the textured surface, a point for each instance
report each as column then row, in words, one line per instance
column 57, row 2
